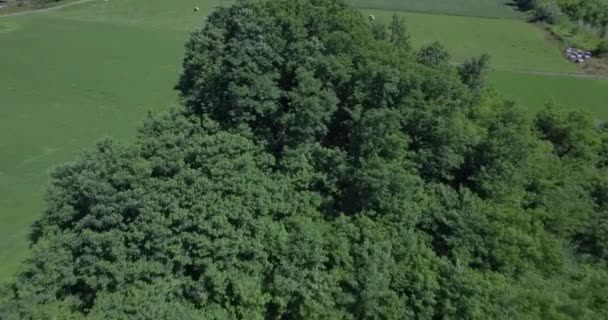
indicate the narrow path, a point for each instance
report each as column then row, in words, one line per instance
column 546, row 73
column 45, row 9
column 560, row 74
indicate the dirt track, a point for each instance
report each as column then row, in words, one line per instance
column 45, row 9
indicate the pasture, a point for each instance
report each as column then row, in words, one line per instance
column 66, row 82
column 512, row 44
column 472, row 8
column 71, row 77
column 572, row 93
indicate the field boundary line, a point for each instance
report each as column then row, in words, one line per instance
column 558, row 74
column 46, row 9
column 478, row 16
column 543, row 73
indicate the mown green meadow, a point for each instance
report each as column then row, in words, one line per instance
column 68, row 81
column 512, row 44
column 533, row 91
column 71, row 77
column 472, row 8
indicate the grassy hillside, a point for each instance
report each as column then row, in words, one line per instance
column 73, row 76
column 65, row 85
column 474, row 8
column 151, row 14
column 534, row 90
column 513, row 44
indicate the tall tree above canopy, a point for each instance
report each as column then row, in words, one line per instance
column 318, row 171
column 399, row 35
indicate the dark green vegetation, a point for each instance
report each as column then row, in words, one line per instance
column 315, row 172
column 582, row 23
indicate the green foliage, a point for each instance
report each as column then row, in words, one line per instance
column 379, row 30
column 525, row 5
column 110, row 96
column 474, row 72
column 433, row 55
column 315, row 171
column 602, row 48
column 399, row 36
column 592, row 14
column 549, row 12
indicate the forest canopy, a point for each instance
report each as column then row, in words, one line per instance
column 320, row 167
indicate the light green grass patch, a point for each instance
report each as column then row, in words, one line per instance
column 512, row 44
column 175, row 15
column 8, row 26
column 474, row 8
column 65, row 85
column 533, row 91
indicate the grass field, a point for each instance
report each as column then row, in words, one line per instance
column 71, row 77
column 473, row 8
column 512, row 44
column 534, row 90
column 65, row 83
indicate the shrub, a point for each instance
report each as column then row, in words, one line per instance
column 525, row 5
column 433, row 54
column 548, row 12
column 602, row 48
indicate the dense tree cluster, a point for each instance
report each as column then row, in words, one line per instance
column 318, row 171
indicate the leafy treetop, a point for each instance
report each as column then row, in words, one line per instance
column 317, row 170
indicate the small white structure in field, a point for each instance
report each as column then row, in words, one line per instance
column 196, row 9
column 371, row 17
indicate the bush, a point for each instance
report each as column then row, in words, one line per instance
column 548, row 12
column 604, row 32
column 525, row 5
column 434, row 54
column 602, row 48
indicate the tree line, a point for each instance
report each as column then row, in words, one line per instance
column 320, row 167
column 586, row 19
